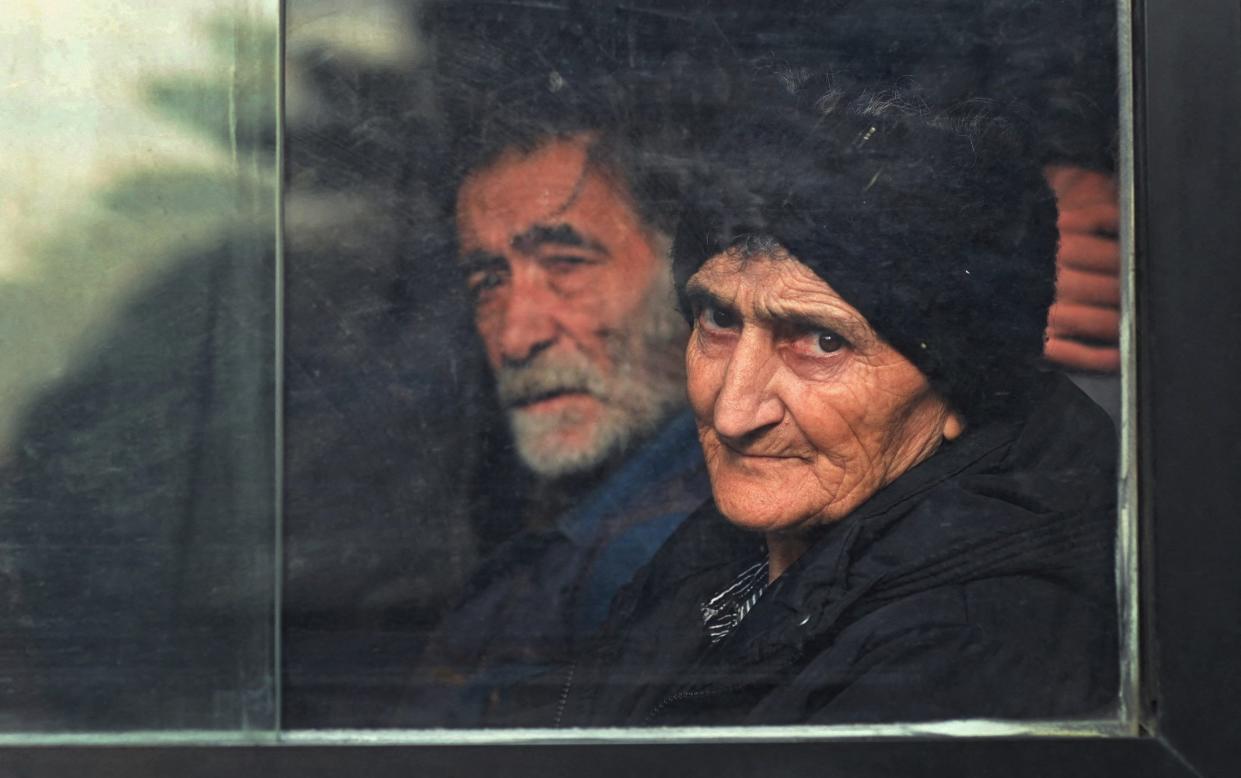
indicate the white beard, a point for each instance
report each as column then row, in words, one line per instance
column 647, row 386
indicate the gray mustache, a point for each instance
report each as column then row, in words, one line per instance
column 547, row 377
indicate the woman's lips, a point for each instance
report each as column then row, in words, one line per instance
column 758, row 457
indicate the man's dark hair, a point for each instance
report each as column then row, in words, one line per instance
column 651, row 173
column 512, row 79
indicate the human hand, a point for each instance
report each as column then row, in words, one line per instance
column 1083, row 326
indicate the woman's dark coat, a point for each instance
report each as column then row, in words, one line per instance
column 978, row 584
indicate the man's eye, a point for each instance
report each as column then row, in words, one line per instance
column 566, row 262
column 828, row 342
column 718, row 318
column 483, row 281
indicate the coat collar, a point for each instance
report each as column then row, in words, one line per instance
column 990, row 503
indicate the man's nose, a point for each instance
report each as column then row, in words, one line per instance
column 530, row 324
column 747, row 405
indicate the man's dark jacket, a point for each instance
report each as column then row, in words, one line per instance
column 541, row 597
column 978, row 584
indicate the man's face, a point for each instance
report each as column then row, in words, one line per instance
column 803, row 410
column 574, row 302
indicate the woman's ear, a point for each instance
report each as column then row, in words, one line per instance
column 953, row 426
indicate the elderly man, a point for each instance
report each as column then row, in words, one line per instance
column 574, row 303
column 572, row 289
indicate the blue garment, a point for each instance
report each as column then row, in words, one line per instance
column 543, row 594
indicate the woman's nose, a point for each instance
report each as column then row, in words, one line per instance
column 747, row 405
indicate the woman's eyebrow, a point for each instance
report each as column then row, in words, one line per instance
column 795, row 317
column 802, row 318
column 701, row 297
column 781, row 314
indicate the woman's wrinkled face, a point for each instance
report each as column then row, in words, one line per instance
column 803, row 410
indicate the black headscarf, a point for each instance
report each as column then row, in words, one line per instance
column 938, row 227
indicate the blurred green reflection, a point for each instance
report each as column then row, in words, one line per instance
column 137, row 322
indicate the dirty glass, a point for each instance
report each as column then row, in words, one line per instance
column 361, row 358
column 138, row 458
column 488, row 433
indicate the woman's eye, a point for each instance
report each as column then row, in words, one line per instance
column 828, row 342
column 718, row 318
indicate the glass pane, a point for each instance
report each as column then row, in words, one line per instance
column 382, row 428
column 543, row 256
column 138, row 389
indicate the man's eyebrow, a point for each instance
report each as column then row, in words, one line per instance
column 473, row 261
column 556, row 235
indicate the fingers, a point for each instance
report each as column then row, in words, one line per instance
column 1076, row 187
column 1090, row 253
column 1079, row 356
column 1096, row 289
column 1069, row 320
column 1083, row 326
column 1100, row 217
column 1087, row 199
column 1087, row 306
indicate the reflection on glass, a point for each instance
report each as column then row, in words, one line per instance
column 488, row 432
column 490, row 455
column 137, row 320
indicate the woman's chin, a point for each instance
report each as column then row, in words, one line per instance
column 754, row 510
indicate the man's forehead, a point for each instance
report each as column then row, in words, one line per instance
column 548, row 174
column 551, row 195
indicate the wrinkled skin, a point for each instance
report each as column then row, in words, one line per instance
column 803, row 411
column 573, row 299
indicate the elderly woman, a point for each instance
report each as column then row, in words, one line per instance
column 911, row 519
